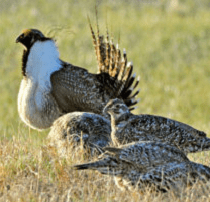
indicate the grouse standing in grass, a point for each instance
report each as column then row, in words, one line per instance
column 148, row 164
column 127, row 128
column 51, row 87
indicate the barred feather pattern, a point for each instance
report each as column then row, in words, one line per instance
column 127, row 128
column 149, row 164
column 111, row 61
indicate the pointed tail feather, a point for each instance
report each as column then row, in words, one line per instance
column 107, row 58
column 91, row 166
column 134, row 95
column 107, row 165
column 137, row 82
column 81, row 167
column 117, row 61
column 128, row 73
column 101, row 64
column 112, row 71
column 128, row 89
column 94, row 39
column 111, row 62
column 124, row 80
column 122, row 67
column 132, row 102
column 130, row 81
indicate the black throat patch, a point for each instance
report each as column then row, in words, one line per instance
column 24, row 61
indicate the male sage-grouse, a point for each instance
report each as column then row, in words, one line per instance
column 127, row 128
column 51, row 87
column 149, row 164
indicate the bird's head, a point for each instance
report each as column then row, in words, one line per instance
column 116, row 107
column 29, row 36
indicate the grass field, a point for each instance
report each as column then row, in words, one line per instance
column 169, row 44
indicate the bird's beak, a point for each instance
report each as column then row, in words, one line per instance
column 18, row 39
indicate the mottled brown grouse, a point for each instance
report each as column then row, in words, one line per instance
column 127, row 128
column 89, row 130
column 149, row 164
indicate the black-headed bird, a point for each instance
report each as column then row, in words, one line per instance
column 52, row 87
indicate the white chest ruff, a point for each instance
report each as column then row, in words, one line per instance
column 36, row 106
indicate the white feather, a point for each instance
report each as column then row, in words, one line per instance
column 34, row 98
column 43, row 60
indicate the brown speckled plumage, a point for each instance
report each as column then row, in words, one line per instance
column 127, row 128
column 149, row 164
column 69, row 129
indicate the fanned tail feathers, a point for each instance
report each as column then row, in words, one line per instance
column 111, row 61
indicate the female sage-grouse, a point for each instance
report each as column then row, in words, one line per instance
column 51, row 87
column 149, row 164
column 86, row 129
column 127, row 128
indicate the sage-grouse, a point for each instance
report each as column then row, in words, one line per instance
column 127, row 128
column 67, row 132
column 149, row 165
column 51, row 87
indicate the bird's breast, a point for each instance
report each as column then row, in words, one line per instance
column 36, row 108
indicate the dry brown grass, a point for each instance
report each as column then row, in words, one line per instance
column 30, row 173
column 170, row 51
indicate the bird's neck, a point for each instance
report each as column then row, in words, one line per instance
column 42, row 60
column 118, row 122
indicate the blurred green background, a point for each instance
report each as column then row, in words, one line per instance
column 168, row 42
